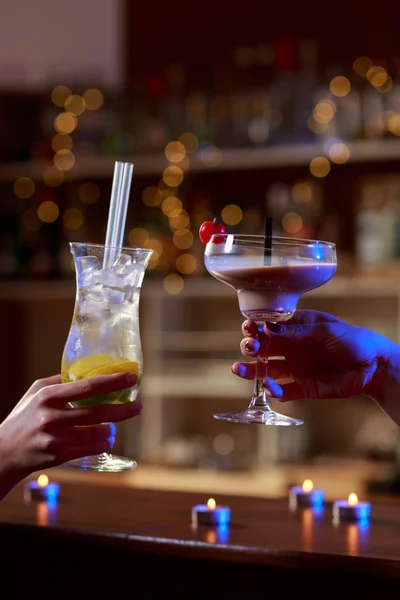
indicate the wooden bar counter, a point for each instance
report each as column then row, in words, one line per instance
column 100, row 538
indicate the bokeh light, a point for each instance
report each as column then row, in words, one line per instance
column 320, row 166
column 394, row 124
column 61, row 141
column 30, row 220
column 361, row 65
column 324, row 111
column 173, row 283
column 340, row 86
column 223, row 444
column 175, row 151
column 377, row 76
column 183, row 239
column 292, row 222
column 302, row 192
column 190, row 141
column 173, row 176
column 316, row 127
column 151, row 196
column 89, row 193
column 180, row 221
column 48, row 211
column 232, row 214
column 155, row 245
column 53, row 177
column 24, row 187
column 93, row 99
column 211, row 156
column 73, row 218
column 339, row 153
column 59, row 95
column 64, row 160
column 172, row 206
column 65, row 122
column 138, row 237
column 186, row 264
column 75, row 104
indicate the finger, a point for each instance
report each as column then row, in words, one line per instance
column 291, row 391
column 41, row 383
column 102, row 413
column 250, row 347
column 74, row 391
column 86, row 435
column 249, row 328
column 74, row 452
column 277, row 369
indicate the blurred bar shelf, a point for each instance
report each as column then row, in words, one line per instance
column 210, row 159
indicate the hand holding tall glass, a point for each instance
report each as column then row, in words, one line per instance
column 268, row 289
column 104, row 336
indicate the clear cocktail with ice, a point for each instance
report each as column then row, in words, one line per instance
column 104, row 336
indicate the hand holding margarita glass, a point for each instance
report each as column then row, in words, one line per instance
column 268, row 291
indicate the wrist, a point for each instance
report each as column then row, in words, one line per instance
column 384, row 388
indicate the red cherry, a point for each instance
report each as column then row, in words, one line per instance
column 206, row 231
column 209, row 228
column 218, row 228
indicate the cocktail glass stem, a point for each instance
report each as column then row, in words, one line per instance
column 260, row 395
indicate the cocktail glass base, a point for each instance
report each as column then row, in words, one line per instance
column 103, row 462
column 259, row 415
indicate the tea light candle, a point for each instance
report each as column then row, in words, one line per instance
column 306, row 495
column 210, row 514
column 41, row 489
column 351, row 509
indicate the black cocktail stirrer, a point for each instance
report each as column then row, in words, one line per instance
column 268, row 241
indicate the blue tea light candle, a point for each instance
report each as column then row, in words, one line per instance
column 306, row 495
column 41, row 489
column 351, row 510
column 210, row 514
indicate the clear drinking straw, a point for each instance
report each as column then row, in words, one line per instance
column 123, row 206
column 117, row 212
column 112, row 213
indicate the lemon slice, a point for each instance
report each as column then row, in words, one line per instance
column 80, row 368
column 126, row 366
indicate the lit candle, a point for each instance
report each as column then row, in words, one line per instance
column 210, row 514
column 41, row 489
column 351, row 509
column 306, row 495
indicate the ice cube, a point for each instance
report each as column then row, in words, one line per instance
column 89, row 270
column 122, row 265
column 94, row 292
column 134, row 278
column 114, row 295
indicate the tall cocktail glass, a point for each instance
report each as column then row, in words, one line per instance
column 104, row 336
column 269, row 279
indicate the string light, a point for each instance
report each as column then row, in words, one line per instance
column 65, row 122
column 59, row 95
column 48, row 211
column 232, row 214
column 93, row 99
column 73, row 218
column 53, row 177
column 340, row 86
column 24, row 187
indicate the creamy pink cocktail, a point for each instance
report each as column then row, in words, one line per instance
column 269, row 276
column 270, row 293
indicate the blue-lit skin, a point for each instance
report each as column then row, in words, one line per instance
column 321, row 356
